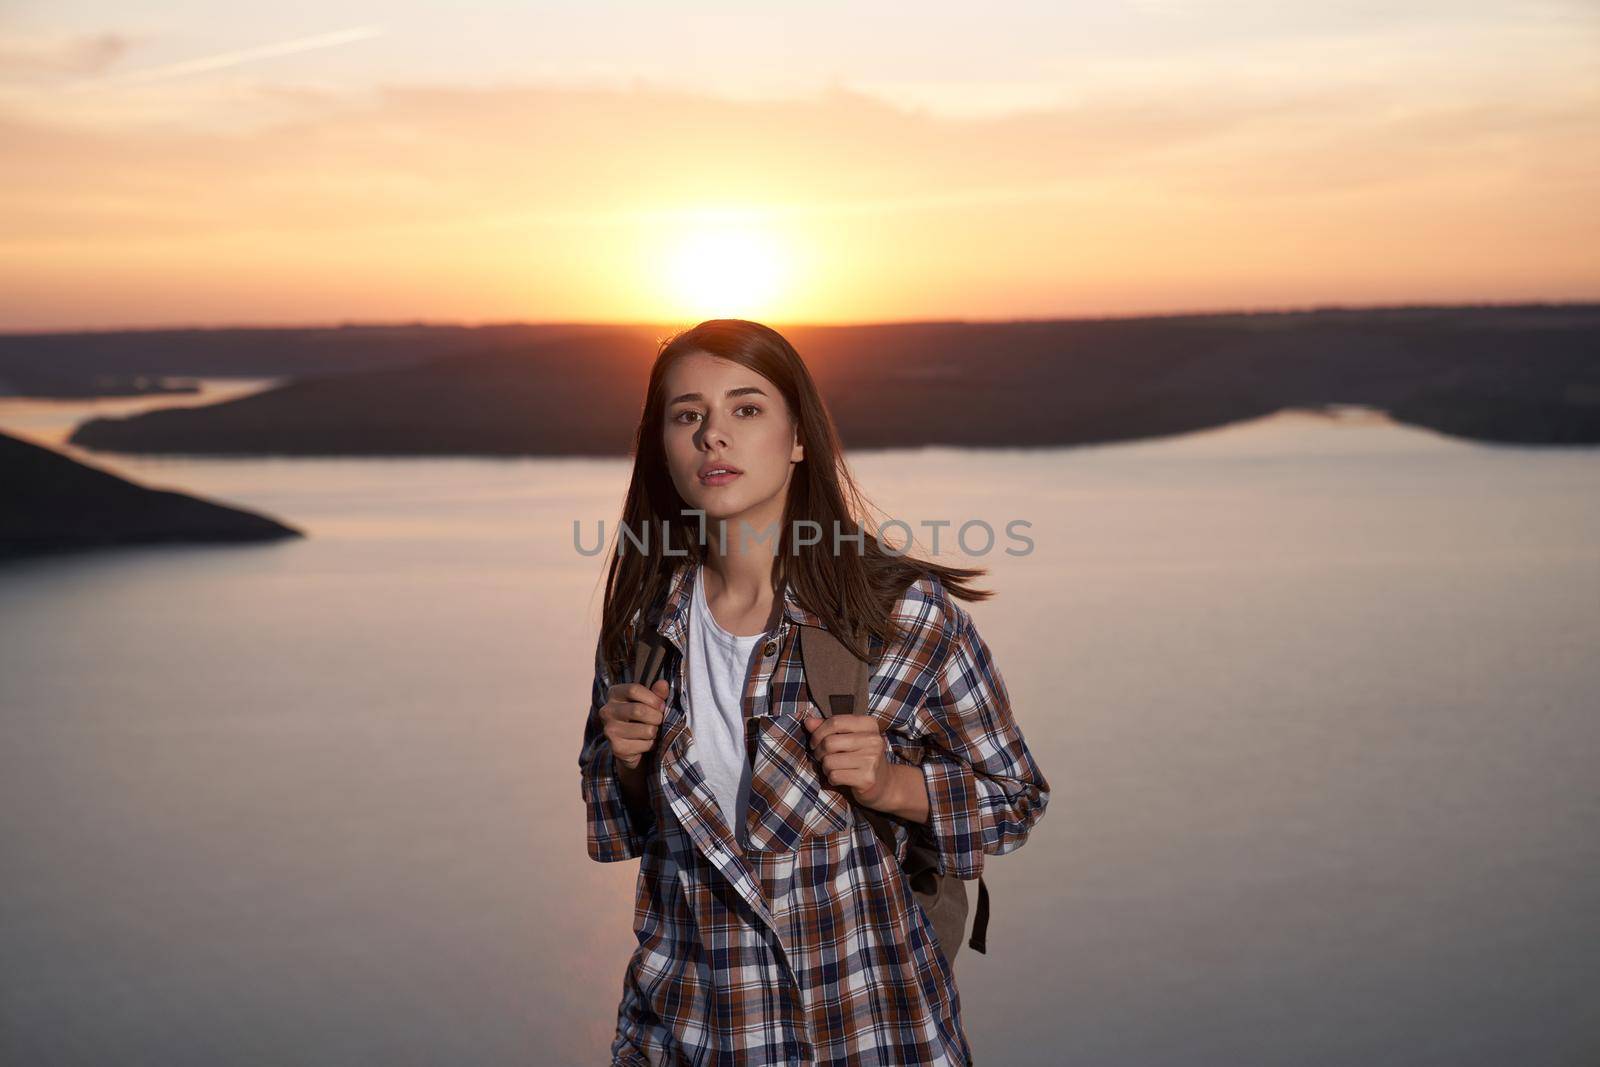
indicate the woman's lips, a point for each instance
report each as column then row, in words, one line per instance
column 718, row 479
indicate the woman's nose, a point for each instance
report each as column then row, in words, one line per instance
column 713, row 436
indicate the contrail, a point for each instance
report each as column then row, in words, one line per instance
column 233, row 59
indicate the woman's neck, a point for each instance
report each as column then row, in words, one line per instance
column 739, row 584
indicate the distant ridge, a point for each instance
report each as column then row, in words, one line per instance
column 1524, row 374
column 53, row 503
column 132, row 362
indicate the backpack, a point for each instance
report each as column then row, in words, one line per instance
column 837, row 681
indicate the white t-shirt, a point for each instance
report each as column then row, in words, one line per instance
column 718, row 664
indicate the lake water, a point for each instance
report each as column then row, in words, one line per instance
column 1316, row 697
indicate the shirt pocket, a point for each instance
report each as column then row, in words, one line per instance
column 790, row 800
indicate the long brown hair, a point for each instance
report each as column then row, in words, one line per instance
column 862, row 586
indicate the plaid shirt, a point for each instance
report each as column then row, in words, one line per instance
column 808, row 946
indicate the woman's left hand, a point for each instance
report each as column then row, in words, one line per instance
column 853, row 755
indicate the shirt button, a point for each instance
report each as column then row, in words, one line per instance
column 769, row 648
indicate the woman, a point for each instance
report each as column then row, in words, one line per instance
column 773, row 926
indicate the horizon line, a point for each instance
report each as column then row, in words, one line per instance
column 376, row 324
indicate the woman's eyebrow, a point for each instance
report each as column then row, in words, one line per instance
column 741, row 391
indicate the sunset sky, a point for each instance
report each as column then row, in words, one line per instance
column 172, row 164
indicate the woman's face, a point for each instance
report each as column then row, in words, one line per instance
column 721, row 414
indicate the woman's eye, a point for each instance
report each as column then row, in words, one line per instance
column 754, row 409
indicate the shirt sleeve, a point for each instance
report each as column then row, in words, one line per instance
column 985, row 792
column 612, row 832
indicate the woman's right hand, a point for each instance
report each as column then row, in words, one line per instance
column 632, row 715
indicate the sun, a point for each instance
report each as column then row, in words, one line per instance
column 727, row 272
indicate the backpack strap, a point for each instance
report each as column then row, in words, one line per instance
column 649, row 655
column 838, row 682
column 648, row 652
column 980, row 920
column 648, row 648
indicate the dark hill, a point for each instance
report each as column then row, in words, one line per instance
column 1527, row 374
column 54, row 503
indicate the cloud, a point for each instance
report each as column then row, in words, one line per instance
column 503, row 160
column 29, row 57
column 234, row 58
